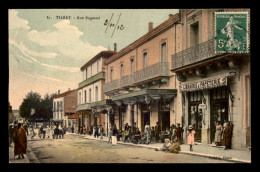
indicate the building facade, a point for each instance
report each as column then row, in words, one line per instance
column 140, row 83
column 64, row 105
column 90, row 93
column 214, row 86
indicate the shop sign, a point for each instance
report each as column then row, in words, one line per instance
column 204, row 84
column 202, row 106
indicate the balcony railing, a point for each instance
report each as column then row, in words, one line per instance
column 100, row 75
column 156, row 70
column 194, row 54
column 85, row 106
column 150, row 72
column 111, row 86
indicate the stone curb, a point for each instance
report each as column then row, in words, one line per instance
column 215, row 157
column 182, row 152
column 31, row 156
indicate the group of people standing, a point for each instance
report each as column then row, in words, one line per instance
column 17, row 135
column 224, row 133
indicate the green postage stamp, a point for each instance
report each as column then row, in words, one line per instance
column 231, row 32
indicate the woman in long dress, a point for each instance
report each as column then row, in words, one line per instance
column 218, row 133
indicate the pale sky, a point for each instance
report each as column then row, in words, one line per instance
column 46, row 51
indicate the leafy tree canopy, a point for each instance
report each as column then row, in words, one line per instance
column 42, row 107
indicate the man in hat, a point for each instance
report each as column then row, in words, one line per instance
column 157, row 131
column 179, row 131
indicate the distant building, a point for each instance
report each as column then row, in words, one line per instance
column 91, row 100
column 64, row 105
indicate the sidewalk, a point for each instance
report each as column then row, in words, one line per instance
column 12, row 159
column 208, row 151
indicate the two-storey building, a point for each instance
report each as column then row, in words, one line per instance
column 64, row 105
column 139, row 80
column 90, row 93
column 215, row 85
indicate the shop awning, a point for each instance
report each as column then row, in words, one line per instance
column 145, row 95
column 102, row 103
column 207, row 83
column 85, row 106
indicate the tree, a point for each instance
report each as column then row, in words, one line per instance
column 46, row 107
column 32, row 100
column 43, row 107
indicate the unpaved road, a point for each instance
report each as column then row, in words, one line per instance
column 74, row 149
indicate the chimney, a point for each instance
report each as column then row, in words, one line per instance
column 150, row 26
column 58, row 92
column 170, row 16
column 115, row 47
column 69, row 89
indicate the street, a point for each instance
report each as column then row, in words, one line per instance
column 74, row 149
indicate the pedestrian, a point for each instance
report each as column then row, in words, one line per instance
column 11, row 130
column 137, row 135
column 153, row 134
column 40, row 130
column 72, row 129
column 101, row 132
column 52, row 132
column 126, row 132
column 110, row 134
column 91, row 129
column 224, row 126
column 32, row 133
column 77, row 130
column 84, row 130
column 114, row 138
column 179, row 131
column 191, row 134
column 44, row 132
column 218, row 133
column 95, row 129
column 228, row 136
column 48, row 130
column 81, row 130
column 20, row 141
column 157, row 131
column 148, row 133
column 173, row 133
